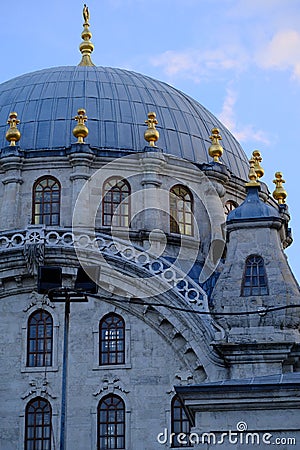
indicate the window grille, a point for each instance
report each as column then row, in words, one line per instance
column 38, row 425
column 111, row 423
column 181, row 210
column 39, row 339
column 255, row 278
column 46, row 201
column 112, row 340
column 116, row 203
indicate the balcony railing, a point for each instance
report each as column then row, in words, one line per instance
column 110, row 247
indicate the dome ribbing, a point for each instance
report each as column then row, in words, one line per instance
column 117, row 103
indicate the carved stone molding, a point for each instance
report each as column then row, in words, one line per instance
column 38, row 300
column 185, row 377
column 34, row 250
column 110, row 385
column 39, row 388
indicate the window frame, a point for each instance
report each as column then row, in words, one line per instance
column 116, row 213
column 109, row 423
column 37, row 339
column 183, row 419
column 116, row 341
column 248, row 288
column 178, row 226
column 42, row 214
column 48, row 425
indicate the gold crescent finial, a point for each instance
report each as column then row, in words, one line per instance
column 13, row 135
column 86, row 47
column 80, row 131
column 216, row 149
column 151, row 135
column 279, row 193
column 86, row 14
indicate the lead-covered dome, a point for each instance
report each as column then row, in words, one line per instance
column 117, row 103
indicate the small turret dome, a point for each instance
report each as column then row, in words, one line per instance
column 252, row 208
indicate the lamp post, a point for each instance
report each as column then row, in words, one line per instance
column 67, row 296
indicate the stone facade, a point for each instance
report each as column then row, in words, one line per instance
column 171, row 289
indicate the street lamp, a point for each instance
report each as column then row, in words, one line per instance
column 50, row 281
column 66, row 295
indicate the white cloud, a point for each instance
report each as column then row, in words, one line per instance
column 282, row 52
column 243, row 133
column 246, row 9
column 198, row 65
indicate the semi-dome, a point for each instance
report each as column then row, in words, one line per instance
column 117, row 102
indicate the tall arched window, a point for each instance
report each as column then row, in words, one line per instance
column 111, row 423
column 181, row 210
column 112, row 340
column 38, row 427
column 115, row 203
column 39, row 339
column 255, row 278
column 179, row 424
column 46, row 201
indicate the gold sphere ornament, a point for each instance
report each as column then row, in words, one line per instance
column 216, row 149
column 279, row 193
column 151, row 135
column 80, row 131
column 13, row 135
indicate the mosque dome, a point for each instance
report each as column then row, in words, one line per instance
column 117, row 102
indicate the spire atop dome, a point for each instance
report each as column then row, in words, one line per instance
column 279, row 193
column 86, row 47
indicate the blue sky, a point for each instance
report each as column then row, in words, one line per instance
column 239, row 58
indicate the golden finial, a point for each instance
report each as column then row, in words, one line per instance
column 257, row 167
column 252, row 174
column 80, row 131
column 13, row 134
column 86, row 47
column 151, row 135
column 216, row 149
column 279, row 193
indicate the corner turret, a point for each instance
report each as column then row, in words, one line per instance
column 256, row 279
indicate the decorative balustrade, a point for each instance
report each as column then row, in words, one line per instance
column 39, row 239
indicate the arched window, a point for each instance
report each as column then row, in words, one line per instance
column 38, row 427
column 115, row 203
column 179, row 423
column 46, row 201
column 181, row 210
column 255, row 278
column 112, row 340
column 111, row 423
column 39, row 339
column 230, row 205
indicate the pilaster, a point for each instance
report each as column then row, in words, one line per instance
column 154, row 198
column 81, row 158
column 11, row 162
